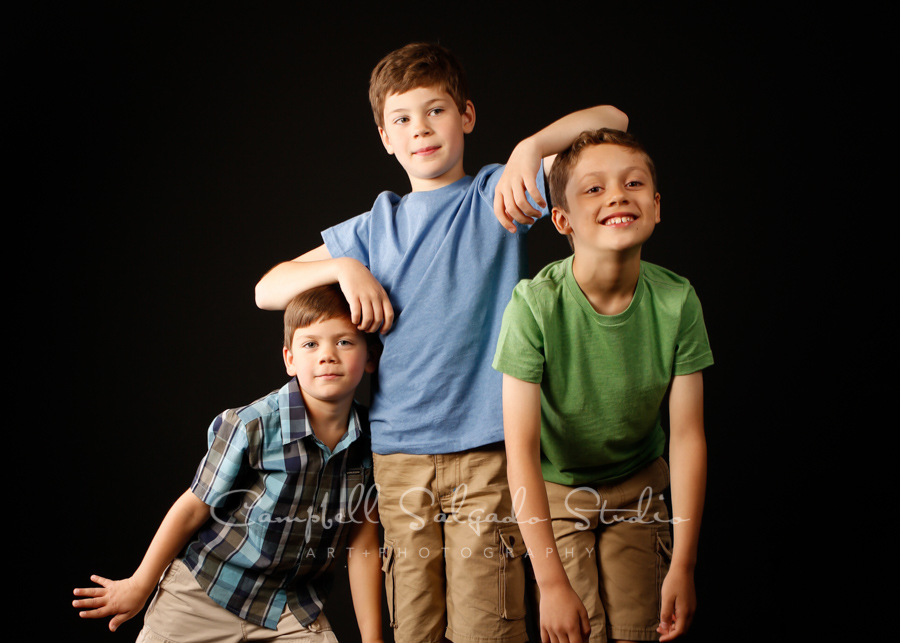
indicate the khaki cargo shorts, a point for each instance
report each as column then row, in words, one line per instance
column 453, row 553
column 616, row 545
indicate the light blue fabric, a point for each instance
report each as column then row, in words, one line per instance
column 449, row 268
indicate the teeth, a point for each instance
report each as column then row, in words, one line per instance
column 616, row 220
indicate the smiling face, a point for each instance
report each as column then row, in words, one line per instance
column 329, row 358
column 611, row 200
column 424, row 130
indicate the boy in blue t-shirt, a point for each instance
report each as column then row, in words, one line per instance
column 588, row 350
column 435, row 269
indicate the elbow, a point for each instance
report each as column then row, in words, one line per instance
column 260, row 298
column 617, row 117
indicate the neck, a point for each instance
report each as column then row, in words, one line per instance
column 328, row 420
column 438, row 182
column 607, row 279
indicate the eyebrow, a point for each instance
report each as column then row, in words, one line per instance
column 427, row 103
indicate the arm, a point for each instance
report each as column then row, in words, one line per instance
column 364, row 569
column 563, row 616
column 687, row 456
column 369, row 303
column 123, row 599
column 518, row 180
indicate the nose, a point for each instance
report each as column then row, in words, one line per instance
column 327, row 355
column 617, row 196
column 421, row 128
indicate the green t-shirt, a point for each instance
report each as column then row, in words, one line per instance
column 603, row 377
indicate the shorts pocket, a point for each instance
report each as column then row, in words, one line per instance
column 387, row 566
column 512, row 574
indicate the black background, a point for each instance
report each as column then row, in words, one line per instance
column 181, row 152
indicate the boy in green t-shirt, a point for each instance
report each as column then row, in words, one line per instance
column 589, row 348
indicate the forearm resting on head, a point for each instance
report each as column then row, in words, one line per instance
column 125, row 598
column 370, row 306
column 519, row 175
column 562, row 614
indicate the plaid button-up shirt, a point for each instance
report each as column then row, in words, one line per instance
column 283, row 504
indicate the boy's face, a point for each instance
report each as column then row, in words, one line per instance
column 611, row 198
column 424, row 130
column 329, row 359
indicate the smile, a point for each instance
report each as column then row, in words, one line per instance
column 618, row 220
column 426, row 151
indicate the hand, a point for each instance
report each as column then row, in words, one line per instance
column 563, row 617
column 121, row 599
column 679, row 601
column 516, row 182
column 370, row 306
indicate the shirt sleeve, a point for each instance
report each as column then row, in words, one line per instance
column 350, row 238
column 520, row 348
column 224, row 461
column 692, row 351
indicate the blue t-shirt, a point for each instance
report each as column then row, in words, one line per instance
column 449, row 268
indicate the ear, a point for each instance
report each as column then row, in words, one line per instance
column 468, row 118
column 656, row 202
column 561, row 221
column 385, row 140
column 288, row 357
column 371, row 361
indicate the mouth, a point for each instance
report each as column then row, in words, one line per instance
column 427, row 151
column 619, row 219
column 328, row 376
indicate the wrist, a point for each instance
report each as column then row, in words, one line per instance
column 530, row 146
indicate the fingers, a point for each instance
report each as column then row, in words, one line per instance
column 512, row 204
column 373, row 314
column 585, row 626
column 388, row 318
column 504, row 219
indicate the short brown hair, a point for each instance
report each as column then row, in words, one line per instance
column 311, row 306
column 566, row 160
column 419, row 64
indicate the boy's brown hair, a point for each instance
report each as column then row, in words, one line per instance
column 566, row 160
column 311, row 306
column 418, row 64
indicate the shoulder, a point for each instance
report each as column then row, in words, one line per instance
column 664, row 279
column 265, row 406
column 547, row 283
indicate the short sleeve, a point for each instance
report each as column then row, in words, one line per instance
column 520, row 348
column 692, row 351
column 224, row 460
column 350, row 238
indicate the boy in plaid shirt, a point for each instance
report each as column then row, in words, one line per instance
column 251, row 546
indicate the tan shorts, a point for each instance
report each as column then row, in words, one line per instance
column 181, row 612
column 615, row 544
column 453, row 553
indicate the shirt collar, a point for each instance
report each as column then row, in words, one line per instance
column 293, row 416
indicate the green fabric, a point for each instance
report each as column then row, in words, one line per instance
column 603, row 378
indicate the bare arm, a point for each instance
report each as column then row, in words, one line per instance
column 563, row 616
column 518, row 180
column 364, row 569
column 370, row 306
column 687, row 457
column 123, row 599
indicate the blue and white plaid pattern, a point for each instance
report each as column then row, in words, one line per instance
column 282, row 504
